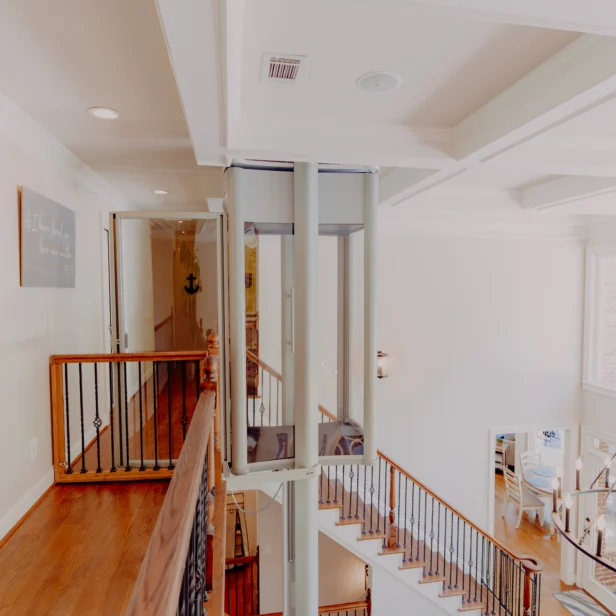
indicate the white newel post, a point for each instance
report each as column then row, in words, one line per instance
column 237, row 327
column 305, row 510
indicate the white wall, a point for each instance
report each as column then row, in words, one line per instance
column 162, row 274
column 390, row 594
column 341, row 573
column 269, row 281
column 37, row 323
column 481, row 333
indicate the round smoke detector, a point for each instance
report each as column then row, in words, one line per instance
column 379, row 81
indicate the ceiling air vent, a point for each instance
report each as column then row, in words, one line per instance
column 278, row 67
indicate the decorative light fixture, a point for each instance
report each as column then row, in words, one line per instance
column 379, row 81
column 104, row 113
column 381, row 364
column 160, row 191
column 598, row 522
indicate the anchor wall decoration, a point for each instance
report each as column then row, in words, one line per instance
column 191, row 289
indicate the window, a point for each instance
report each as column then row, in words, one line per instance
column 600, row 327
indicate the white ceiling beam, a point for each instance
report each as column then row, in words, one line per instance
column 565, row 190
column 587, row 16
column 193, row 32
column 383, row 146
column 574, row 81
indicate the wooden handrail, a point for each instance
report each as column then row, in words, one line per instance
column 252, row 357
column 114, row 358
column 454, row 510
column 163, row 322
column 157, row 590
column 240, row 560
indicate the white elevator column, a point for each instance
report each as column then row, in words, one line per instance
column 305, row 510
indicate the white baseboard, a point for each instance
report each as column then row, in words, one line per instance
column 21, row 507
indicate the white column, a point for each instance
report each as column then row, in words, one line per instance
column 237, row 325
column 344, row 329
column 371, row 199
column 306, row 530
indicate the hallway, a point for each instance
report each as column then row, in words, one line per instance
column 80, row 550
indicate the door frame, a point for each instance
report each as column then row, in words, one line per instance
column 115, row 233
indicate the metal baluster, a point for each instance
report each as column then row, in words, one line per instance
column 406, row 484
column 357, row 496
column 97, row 421
column 483, row 539
column 425, row 530
column 418, row 524
column 451, row 550
column 378, row 499
column 470, row 565
column 113, row 467
column 184, row 418
column 412, row 520
column 444, row 546
column 493, row 578
column 321, row 489
column 170, row 425
column 336, row 485
column 83, row 436
column 69, row 468
column 385, row 482
column 142, row 467
column 476, row 562
column 127, row 467
column 463, row 556
column 277, row 402
column 431, row 535
column 363, row 526
column 398, row 518
column 255, row 384
column 329, row 470
column 371, row 496
column 269, row 402
column 438, row 539
column 262, row 405
column 155, row 397
column 342, row 494
column 457, row 547
column 120, row 431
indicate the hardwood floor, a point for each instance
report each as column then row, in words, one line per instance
column 80, row 550
column 530, row 539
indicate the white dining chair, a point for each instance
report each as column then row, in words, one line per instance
column 529, row 459
column 521, row 496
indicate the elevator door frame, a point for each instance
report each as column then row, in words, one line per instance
column 115, row 254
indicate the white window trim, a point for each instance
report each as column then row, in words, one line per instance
column 592, row 304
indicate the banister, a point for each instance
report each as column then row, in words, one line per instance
column 252, row 357
column 114, row 358
column 163, row 322
column 339, row 607
column 158, row 586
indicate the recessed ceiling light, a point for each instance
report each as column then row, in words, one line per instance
column 379, row 81
column 159, row 191
column 104, row 113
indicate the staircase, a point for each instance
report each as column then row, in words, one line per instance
column 392, row 521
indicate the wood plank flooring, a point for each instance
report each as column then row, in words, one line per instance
column 529, row 539
column 80, row 550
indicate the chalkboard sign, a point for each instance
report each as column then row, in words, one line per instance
column 47, row 241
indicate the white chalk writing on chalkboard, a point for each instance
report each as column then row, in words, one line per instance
column 47, row 242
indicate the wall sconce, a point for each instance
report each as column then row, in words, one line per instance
column 381, row 363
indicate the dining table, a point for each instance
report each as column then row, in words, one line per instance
column 539, row 480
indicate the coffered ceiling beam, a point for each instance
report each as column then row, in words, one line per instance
column 565, row 190
column 193, row 32
column 588, row 16
column 574, row 81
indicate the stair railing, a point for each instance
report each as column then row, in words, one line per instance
column 411, row 520
column 173, row 575
column 355, row 608
column 121, row 416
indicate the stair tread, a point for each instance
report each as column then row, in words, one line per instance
column 331, row 505
column 432, row 579
column 469, row 607
column 369, row 537
column 415, row 564
column 454, row 592
column 348, row 521
column 387, row 551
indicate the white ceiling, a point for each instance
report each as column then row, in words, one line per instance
column 59, row 58
column 510, row 104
